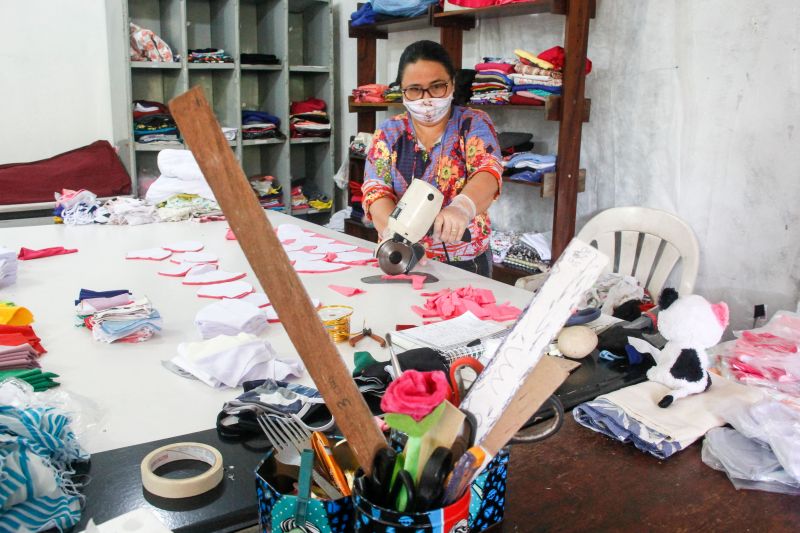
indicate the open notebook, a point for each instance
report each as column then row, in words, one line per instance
column 458, row 337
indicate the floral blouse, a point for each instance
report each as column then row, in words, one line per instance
column 468, row 146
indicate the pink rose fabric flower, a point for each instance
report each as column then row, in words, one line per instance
column 416, row 393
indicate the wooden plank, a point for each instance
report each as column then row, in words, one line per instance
column 569, row 135
column 452, row 38
column 552, row 108
column 548, row 185
column 271, row 266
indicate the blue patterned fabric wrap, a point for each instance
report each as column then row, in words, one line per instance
column 489, row 494
column 37, row 447
column 611, row 420
column 276, row 510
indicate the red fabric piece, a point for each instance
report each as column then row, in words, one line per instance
column 522, row 100
column 306, row 106
column 28, row 334
column 416, row 394
column 449, row 303
column 26, row 254
column 95, row 167
column 506, row 68
column 484, row 3
column 555, row 55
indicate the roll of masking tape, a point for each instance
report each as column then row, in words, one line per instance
column 186, row 487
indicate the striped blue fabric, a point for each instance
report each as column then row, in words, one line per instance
column 37, row 448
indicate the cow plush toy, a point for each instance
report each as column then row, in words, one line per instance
column 690, row 325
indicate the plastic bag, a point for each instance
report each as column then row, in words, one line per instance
column 748, row 463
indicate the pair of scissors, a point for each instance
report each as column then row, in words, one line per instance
column 455, row 368
column 431, row 488
column 389, row 484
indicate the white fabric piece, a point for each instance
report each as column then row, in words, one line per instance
column 196, row 257
column 300, row 255
column 210, row 278
column 176, row 270
column 311, row 267
column 131, row 211
column 539, row 242
column 233, row 289
column 259, row 299
column 183, row 246
column 289, row 231
column 334, row 247
column 179, row 175
column 230, row 317
column 8, row 266
column 225, row 361
column 152, row 254
column 688, row 419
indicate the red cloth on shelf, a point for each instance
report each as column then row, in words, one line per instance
column 26, row 254
column 506, row 68
column 306, row 106
column 523, row 100
column 555, row 55
column 95, row 167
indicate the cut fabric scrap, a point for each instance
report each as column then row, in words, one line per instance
column 196, row 257
column 632, row 415
column 232, row 289
column 149, row 254
column 8, row 267
column 416, row 280
column 230, row 317
column 229, row 235
column 183, row 246
column 89, row 306
column 14, row 315
column 212, row 277
column 450, row 303
column 26, row 254
column 346, row 291
column 177, row 270
column 259, row 299
column 316, row 267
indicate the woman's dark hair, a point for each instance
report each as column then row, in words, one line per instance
column 425, row 51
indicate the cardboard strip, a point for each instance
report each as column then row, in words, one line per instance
column 491, row 397
column 271, row 266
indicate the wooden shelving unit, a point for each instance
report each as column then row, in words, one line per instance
column 571, row 109
column 298, row 32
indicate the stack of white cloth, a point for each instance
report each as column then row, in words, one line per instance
column 230, row 317
column 229, row 361
column 8, row 267
column 126, row 211
column 539, row 242
column 179, row 175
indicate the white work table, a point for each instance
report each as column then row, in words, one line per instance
column 140, row 400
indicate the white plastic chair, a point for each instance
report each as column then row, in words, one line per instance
column 651, row 242
column 642, row 242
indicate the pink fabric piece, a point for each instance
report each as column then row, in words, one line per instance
column 416, row 280
column 150, row 254
column 26, row 254
column 229, row 235
column 450, row 303
column 346, row 291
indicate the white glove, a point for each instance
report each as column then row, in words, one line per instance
column 452, row 221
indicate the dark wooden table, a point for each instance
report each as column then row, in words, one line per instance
column 579, row 480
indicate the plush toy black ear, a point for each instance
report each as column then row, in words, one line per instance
column 667, row 298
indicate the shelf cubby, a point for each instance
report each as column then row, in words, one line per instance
column 261, row 24
column 162, row 17
column 221, row 91
column 212, row 24
column 309, row 27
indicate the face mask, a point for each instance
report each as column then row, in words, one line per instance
column 429, row 110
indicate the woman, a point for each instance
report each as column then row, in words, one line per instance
column 451, row 147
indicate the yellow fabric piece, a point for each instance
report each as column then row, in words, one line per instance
column 541, row 63
column 320, row 205
column 13, row 315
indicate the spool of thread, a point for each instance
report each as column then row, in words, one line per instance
column 336, row 319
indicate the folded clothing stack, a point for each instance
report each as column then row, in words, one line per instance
column 8, row 267
column 370, row 93
column 126, row 211
column 528, row 167
column 269, row 193
column 632, row 415
column 209, row 55
column 35, row 377
column 356, row 198
column 75, row 208
column 360, row 144
column 537, row 77
column 259, row 59
column 259, row 124
column 20, row 348
column 491, row 84
column 114, row 316
column 309, row 118
column 180, row 174
column 152, row 122
column 230, row 317
column 314, row 197
column 525, row 251
column 230, row 133
column 230, row 360
column 393, row 93
column 299, row 200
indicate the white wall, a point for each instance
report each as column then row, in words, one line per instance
column 695, row 107
column 54, row 82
